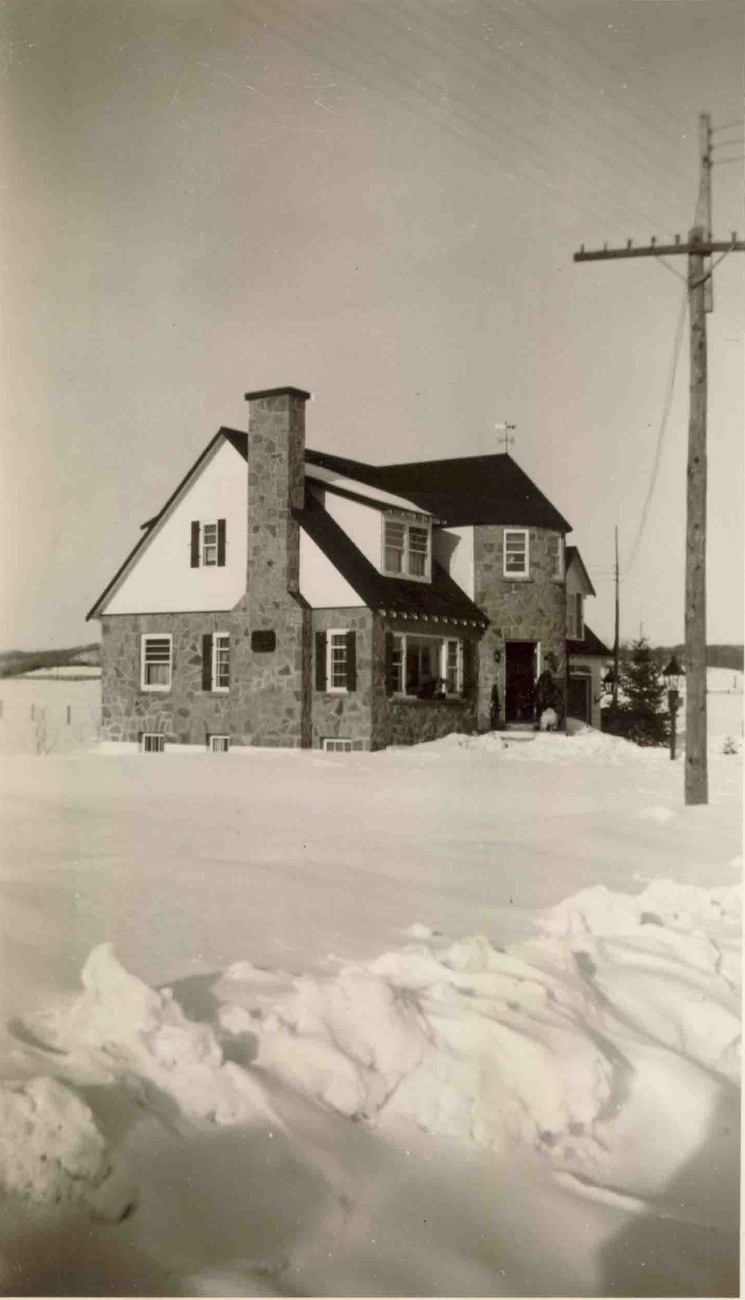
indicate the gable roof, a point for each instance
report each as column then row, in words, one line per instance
column 589, row 645
column 442, row 598
column 232, row 436
column 460, row 490
column 572, row 556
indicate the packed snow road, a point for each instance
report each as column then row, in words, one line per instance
column 340, row 1031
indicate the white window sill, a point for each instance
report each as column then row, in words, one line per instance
column 155, row 690
column 408, row 577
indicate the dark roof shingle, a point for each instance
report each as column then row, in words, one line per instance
column 460, row 490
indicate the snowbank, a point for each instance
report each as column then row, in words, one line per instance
column 120, row 1029
column 51, row 1150
column 505, row 1046
column 579, row 745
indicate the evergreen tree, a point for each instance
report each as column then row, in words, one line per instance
column 641, row 713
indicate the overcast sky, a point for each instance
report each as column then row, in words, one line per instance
column 377, row 200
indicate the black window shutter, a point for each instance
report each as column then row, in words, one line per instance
column 389, row 682
column 469, row 656
column 195, row 544
column 207, row 661
column 351, row 661
column 221, row 541
column 320, row 661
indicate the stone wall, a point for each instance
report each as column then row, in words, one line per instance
column 524, row 609
column 347, row 716
column 186, row 714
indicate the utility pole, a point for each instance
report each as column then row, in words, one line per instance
column 616, row 638
column 703, row 211
column 698, row 249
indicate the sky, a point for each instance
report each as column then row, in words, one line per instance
column 378, row 201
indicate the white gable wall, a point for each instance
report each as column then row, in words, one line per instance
column 162, row 580
column 453, row 549
column 362, row 523
column 320, row 583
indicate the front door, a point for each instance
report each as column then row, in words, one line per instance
column 520, row 676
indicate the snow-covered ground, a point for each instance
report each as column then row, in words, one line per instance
column 461, row 1019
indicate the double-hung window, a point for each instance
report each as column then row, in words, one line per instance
column 156, row 661
column 407, row 548
column 220, row 661
column 336, row 662
column 516, row 553
column 216, row 661
column 208, row 543
column 556, row 556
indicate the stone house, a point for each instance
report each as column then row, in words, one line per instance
column 287, row 597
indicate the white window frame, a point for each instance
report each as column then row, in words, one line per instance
column 222, row 747
column 515, row 573
column 204, row 545
column 155, row 636
column 400, row 640
column 218, row 637
column 423, row 525
column 146, row 745
column 337, row 744
column 558, row 570
column 331, row 633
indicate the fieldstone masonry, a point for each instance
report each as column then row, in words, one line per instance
column 278, row 681
column 524, row 609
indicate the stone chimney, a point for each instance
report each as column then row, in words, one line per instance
column 278, row 619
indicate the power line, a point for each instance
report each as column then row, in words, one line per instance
column 666, row 407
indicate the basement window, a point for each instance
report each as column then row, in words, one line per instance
column 219, row 744
column 337, row 745
column 152, row 743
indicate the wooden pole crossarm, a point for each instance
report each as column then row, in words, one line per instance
column 703, row 249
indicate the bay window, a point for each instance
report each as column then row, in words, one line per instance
column 425, row 667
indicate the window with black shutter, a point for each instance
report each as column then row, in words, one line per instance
column 208, row 544
column 320, row 661
column 351, row 661
column 207, row 661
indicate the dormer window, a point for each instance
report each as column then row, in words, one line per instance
column 407, row 548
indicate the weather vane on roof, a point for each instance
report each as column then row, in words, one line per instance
column 507, row 439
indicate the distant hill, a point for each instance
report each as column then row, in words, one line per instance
column 717, row 656
column 14, row 663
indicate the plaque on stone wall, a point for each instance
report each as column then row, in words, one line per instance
column 262, row 642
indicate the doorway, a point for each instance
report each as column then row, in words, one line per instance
column 578, row 697
column 521, row 672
